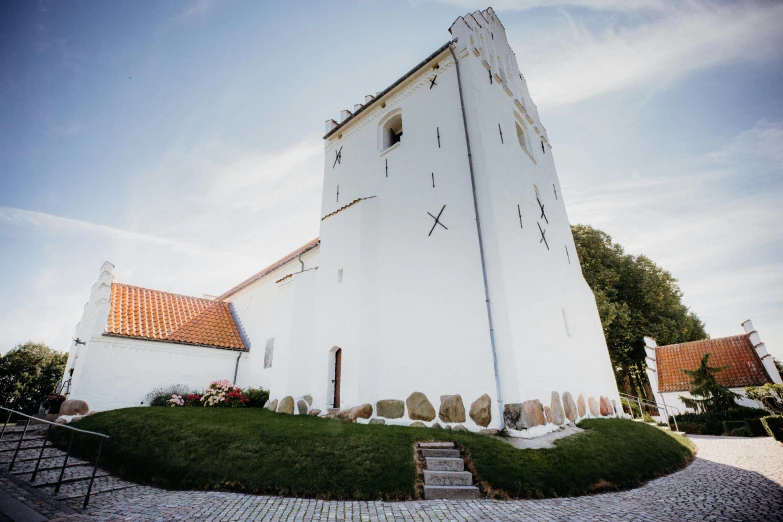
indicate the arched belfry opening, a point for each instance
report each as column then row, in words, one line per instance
column 335, row 372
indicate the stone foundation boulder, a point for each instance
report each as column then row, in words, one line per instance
column 548, row 413
column 604, row 407
column 315, row 413
column 523, row 416
column 286, row 405
column 308, row 399
column 489, row 431
column 580, row 404
column 74, row 407
column 451, row 408
column 459, row 427
column 377, row 421
column 419, row 407
column 418, row 424
column 569, row 407
column 301, row 407
column 481, row 410
column 272, row 405
column 595, row 410
column 558, row 415
column 390, row 408
column 436, row 426
column 363, row 411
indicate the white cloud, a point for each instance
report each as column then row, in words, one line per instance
column 569, row 60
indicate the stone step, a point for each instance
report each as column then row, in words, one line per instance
column 451, row 492
column 447, row 453
column 436, row 445
column 447, row 464
column 448, row 478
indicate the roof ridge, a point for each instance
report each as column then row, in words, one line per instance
column 167, row 292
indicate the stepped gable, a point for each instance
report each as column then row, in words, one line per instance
column 744, row 366
column 141, row 313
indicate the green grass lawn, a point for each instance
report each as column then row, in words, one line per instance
column 257, row 451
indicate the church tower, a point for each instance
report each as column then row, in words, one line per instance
column 447, row 265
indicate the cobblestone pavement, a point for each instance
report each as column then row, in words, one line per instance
column 733, row 479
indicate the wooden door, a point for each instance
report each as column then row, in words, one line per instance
column 338, row 355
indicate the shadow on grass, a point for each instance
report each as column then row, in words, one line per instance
column 257, row 451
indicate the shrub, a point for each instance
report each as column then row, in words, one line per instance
column 193, row 399
column 731, row 426
column 176, row 400
column 223, row 394
column 161, row 395
column 755, row 428
column 257, row 397
column 739, row 432
column 774, row 426
column 770, row 396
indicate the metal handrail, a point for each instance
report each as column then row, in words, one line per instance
column 653, row 404
column 103, row 438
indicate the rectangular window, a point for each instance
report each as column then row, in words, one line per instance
column 269, row 352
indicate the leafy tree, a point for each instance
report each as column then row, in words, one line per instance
column 28, row 374
column 714, row 397
column 778, row 365
column 770, row 396
column 635, row 297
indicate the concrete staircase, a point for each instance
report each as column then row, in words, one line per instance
column 444, row 473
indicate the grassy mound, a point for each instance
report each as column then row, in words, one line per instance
column 262, row 452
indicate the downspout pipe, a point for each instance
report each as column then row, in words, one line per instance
column 236, row 369
column 299, row 258
column 481, row 245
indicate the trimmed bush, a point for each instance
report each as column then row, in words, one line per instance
column 774, row 426
column 731, row 426
column 257, row 397
column 755, row 428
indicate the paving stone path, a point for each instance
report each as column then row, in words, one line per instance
column 733, row 479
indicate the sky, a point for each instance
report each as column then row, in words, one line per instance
column 182, row 141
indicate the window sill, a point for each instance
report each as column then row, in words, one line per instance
column 386, row 151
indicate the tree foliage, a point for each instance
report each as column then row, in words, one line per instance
column 770, row 396
column 635, row 297
column 709, row 395
column 28, row 374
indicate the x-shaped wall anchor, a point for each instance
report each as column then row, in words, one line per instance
column 437, row 220
column 555, row 189
column 432, row 81
column 337, row 157
column 543, row 235
column 542, row 211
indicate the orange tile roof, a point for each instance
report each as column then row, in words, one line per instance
column 141, row 313
column 744, row 366
column 274, row 266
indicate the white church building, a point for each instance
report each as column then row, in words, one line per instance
column 444, row 286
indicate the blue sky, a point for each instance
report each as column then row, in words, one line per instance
column 182, row 140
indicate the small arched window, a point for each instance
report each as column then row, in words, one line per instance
column 521, row 137
column 392, row 131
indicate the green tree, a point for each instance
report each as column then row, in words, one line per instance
column 635, row 297
column 28, row 374
column 714, row 398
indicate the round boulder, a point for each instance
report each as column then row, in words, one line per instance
column 418, row 424
column 558, row 415
column 419, row 407
column 481, row 410
column 580, row 404
column 74, row 407
column 286, row 405
column 272, row 405
column 451, row 408
column 390, row 408
column 301, row 407
column 595, row 410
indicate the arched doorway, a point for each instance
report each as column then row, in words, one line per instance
column 335, row 371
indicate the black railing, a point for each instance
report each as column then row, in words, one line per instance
column 18, row 447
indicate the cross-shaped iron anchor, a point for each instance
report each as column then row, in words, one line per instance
column 437, row 220
column 542, row 211
column 543, row 235
column 432, row 81
column 337, row 157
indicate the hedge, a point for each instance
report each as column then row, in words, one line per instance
column 774, row 426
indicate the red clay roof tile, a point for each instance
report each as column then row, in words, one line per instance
column 744, row 366
column 142, row 313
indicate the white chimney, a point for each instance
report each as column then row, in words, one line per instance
column 368, row 98
column 761, row 350
column 357, row 107
column 652, row 363
column 345, row 114
column 330, row 124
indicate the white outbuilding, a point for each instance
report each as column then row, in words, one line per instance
column 444, row 286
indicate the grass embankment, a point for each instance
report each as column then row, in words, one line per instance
column 258, row 451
